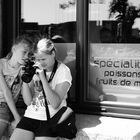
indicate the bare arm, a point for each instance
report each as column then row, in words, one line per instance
column 26, row 93
column 56, row 96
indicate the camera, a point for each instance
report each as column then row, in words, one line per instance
column 29, row 70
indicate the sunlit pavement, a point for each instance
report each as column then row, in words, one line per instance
column 92, row 127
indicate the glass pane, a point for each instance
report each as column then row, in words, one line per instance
column 57, row 18
column 114, row 51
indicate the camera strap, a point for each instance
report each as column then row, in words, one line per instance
column 50, row 79
column 53, row 71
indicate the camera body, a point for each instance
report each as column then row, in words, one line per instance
column 29, row 70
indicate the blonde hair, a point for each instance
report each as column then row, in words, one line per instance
column 44, row 45
column 26, row 39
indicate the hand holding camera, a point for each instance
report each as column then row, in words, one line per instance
column 29, row 70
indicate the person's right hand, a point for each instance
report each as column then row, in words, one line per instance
column 16, row 121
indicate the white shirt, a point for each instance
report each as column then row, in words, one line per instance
column 37, row 108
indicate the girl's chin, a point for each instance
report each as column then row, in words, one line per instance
column 44, row 67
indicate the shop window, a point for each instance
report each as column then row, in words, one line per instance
column 114, row 52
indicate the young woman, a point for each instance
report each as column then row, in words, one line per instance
column 33, row 124
column 10, row 83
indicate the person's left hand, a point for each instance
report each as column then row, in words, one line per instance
column 39, row 70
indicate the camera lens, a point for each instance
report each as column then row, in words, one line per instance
column 29, row 71
column 26, row 78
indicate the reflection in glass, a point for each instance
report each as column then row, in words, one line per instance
column 121, row 17
column 114, row 51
